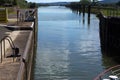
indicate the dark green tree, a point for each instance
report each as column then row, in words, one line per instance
column 32, row 5
column 85, row 2
column 2, row 2
column 14, row 2
column 95, row 1
column 118, row 3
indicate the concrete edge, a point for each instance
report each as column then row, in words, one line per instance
column 20, row 75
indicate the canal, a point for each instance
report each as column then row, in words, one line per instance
column 68, row 47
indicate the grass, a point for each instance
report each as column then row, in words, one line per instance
column 106, row 11
column 11, row 10
column 110, row 12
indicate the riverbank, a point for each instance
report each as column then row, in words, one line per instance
column 106, row 10
column 13, row 67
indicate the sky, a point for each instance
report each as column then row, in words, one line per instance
column 48, row 1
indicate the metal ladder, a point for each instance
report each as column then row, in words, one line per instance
column 15, row 50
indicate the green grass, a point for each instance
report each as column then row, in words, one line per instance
column 110, row 12
column 10, row 10
column 107, row 11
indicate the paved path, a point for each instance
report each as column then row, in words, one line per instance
column 8, row 68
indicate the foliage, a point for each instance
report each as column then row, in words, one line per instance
column 118, row 3
column 20, row 3
column 95, row 0
column 85, row 2
column 14, row 2
column 32, row 5
column 74, row 5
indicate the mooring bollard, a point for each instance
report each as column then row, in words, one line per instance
column 25, row 63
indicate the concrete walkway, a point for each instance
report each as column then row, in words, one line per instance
column 8, row 68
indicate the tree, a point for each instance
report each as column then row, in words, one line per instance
column 85, row 2
column 32, row 5
column 118, row 3
column 14, row 2
column 95, row 0
column 22, row 3
column 2, row 2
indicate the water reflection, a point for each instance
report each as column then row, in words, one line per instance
column 108, row 61
column 78, row 12
column 107, row 55
column 89, row 20
column 67, row 48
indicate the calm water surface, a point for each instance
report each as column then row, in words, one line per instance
column 68, row 47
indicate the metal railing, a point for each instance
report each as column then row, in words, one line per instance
column 115, row 70
column 15, row 50
column 25, row 15
column 29, row 14
column 28, row 55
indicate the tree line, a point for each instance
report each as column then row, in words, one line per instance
column 76, row 5
column 19, row 3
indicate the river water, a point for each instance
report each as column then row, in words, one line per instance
column 68, row 47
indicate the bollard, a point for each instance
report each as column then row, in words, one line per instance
column 1, row 52
column 25, row 63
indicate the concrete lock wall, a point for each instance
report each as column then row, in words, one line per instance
column 3, row 15
column 110, row 35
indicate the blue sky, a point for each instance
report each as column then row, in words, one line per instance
column 47, row 1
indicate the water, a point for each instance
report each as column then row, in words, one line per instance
column 68, row 47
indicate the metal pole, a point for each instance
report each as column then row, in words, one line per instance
column 89, row 10
column 13, row 47
column 1, row 51
column 4, row 47
column 26, row 70
column 18, row 16
column 100, row 78
column 25, row 63
column 34, row 30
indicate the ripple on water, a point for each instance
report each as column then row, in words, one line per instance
column 68, row 49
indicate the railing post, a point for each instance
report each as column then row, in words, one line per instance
column 11, row 47
column 25, row 63
column 4, row 47
column 100, row 78
column 1, row 51
column 34, row 30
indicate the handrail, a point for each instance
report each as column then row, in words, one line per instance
column 11, row 40
column 12, row 48
column 12, row 45
column 1, row 52
column 106, row 71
